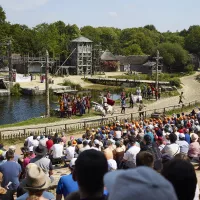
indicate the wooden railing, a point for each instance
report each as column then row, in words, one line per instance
column 81, row 125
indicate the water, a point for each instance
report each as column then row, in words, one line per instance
column 16, row 109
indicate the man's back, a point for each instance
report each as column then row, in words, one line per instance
column 84, row 148
column 70, row 151
column 66, row 185
column 10, row 171
column 130, row 155
column 57, row 150
column 42, row 162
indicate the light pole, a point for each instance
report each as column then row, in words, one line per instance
column 47, row 84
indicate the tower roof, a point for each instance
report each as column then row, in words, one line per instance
column 81, row 39
column 108, row 56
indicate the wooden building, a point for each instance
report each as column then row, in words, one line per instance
column 82, row 55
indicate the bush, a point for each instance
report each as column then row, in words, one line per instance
column 16, row 90
column 175, row 82
column 189, row 68
column 72, row 85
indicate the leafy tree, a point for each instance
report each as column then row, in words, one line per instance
column 2, row 15
column 133, row 49
column 192, row 41
column 174, row 56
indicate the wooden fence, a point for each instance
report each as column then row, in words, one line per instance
column 17, row 133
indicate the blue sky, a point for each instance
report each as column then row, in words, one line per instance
column 166, row 15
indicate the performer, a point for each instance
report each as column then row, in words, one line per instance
column 123, row 94
column 181, row 97
column 105, row 103
column 108, row 95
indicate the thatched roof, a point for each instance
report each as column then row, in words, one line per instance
column 81, row 39
column 108, row 56
column 133, row 60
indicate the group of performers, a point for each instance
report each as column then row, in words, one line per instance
column 71, row 105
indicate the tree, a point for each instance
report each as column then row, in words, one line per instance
column 150, row 27
column 133, row 49
column 192, row 41
column 2, row 15
column 174, row 56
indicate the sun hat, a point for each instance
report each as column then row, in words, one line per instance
column 72, row 162
column 40, row 150
column 13, row 148
column 35, row 179
column 194, row 137
column 139, row 183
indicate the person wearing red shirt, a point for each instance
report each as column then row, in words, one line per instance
column 49, row 143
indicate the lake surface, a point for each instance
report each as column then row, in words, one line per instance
column 16, row 109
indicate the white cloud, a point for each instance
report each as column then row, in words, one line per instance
column 113, row 14
column 22, row 5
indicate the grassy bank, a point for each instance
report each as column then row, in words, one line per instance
column 36, row 121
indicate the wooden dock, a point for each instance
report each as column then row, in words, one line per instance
column 128, row 82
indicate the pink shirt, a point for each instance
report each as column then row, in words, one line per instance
column 194, row 149
column 26, row 162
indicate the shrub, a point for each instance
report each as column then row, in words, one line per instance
column 73, row 85
column 189, row 68
column 175, row 82
column 16, row 90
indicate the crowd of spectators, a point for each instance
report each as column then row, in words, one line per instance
column 154, row 156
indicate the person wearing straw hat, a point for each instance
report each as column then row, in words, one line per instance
column 35, row 183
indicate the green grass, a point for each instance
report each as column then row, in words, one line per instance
column 36, row 121
column 184, row 109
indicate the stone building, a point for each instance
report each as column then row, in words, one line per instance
column 81, row 57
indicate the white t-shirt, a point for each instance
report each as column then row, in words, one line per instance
column 172, row 149
column 29, row 140
column 118, row 134
column 130, row 155
column 34, row 143
column 57, row 150
column 70, row 151
column 112, row 164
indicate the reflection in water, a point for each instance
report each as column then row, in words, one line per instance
column 16, row 109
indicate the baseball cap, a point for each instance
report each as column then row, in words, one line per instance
column 96, row 141
column 139, row 183
column 72, row 162
column 181, row 135
column 30, row 148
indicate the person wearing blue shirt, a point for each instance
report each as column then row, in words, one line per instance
column 11, row 172
column 66, row 184
column 187, row 136
column 148, row 132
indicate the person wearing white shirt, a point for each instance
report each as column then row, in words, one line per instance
column 70, row 151
column 57, row 150
column 130, row 155
column 34, row 142
column 29, row 139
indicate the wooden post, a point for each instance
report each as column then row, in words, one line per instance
column 47, row 85
column 131, row 117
